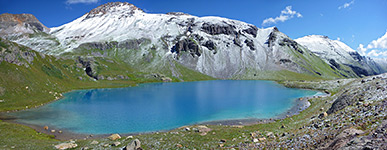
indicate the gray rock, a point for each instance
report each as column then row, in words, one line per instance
column 134, row 145
column 186, row 45
column 215, row 29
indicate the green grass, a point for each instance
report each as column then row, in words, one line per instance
column 14, row 136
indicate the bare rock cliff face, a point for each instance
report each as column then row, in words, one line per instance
column 20, row 24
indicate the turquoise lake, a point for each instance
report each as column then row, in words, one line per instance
column 163, row 106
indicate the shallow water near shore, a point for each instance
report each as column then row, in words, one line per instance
column 163, row 106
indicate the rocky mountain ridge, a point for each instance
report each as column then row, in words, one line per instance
column 340, row 56
column 215, row 46
column 16, row 24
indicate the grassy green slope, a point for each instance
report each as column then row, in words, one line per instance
column 47, row 76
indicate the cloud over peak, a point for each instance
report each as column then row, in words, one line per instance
column 377, row 48
column 286, row 14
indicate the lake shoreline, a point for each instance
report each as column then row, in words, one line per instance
column 59, row 134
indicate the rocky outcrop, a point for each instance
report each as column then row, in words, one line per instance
column 361, row 93
column 250, row 44
column 16, row 54
column 20, row 24
column 252, row 31
column 292, row 44
column 186, row 45
column 89, row 66
column 210, row 45
column 215, row 29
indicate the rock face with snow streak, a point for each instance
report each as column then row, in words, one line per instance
column 340, row 56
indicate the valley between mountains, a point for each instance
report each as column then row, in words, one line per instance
column 119, row 45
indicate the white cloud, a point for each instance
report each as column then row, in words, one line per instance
column 347, row 4
column 377, row 48
column 379, row 43
column 286, row 14
column 81, row 1
column 376, row 53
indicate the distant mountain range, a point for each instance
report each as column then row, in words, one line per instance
column 214, row 46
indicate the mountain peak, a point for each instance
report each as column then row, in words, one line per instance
column 20, row 23
column 113, row 8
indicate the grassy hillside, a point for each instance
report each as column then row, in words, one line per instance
column 25, row 83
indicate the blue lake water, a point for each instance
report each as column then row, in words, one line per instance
column 163, row 106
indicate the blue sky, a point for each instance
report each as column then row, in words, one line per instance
column 361, row 24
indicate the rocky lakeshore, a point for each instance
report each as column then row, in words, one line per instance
column 360, row 124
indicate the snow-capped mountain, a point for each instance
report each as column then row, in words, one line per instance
column 340, row 56
column 215, row 46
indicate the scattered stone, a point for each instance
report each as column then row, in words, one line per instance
column 203, row 134
column 179, row 145
column 283, row 126
column 134, row 145
column 237, row 126
column 166, row 79
column 105, row 145
column 94, row 142
column 223, row 140
column 202, row 128
column 252, row 134
column 255, row 140
column 52, row 131
column 116, row 143
column 221, row 145
column 66, row 145
column 262, row 139
column 283, row 134
column 114, row 137
column 129, row 137
column 85, row 148
column 322, row 115
column 365, row 104
column 45, row 127
column 187, row 129
column 1, row 101
column 60, row 131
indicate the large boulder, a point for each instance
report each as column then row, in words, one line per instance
column 134, row 145
column 114, row 137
